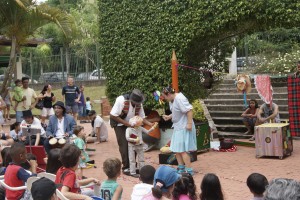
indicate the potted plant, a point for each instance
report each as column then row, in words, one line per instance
column 202, row 127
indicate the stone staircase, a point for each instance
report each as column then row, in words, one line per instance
column 226, row 105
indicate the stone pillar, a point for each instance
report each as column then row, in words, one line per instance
column 18, row 68
column 105, row 106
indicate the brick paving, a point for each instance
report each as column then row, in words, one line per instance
column 232, row 168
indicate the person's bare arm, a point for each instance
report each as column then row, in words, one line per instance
column 145, row 121
column 70, row 195
column 245, row 113
column 275, row 112
column 37, row 140
column 88, row 181
column 189, row 120
column 118, row 192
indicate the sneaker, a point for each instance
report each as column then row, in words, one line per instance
column 126, row 171
column 190, row 171
column 149, row 147
column 135, row 175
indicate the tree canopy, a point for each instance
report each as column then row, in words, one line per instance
column 137, row 38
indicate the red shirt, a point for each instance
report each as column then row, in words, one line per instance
column 11, row 179
column 67, row 177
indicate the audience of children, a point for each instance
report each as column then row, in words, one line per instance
column 135, row 143
column 257, row 184
column 110, row 189
column 146, row 176
column 211, row 188
column 66, row 176
column 15, row 175
column 185, row 188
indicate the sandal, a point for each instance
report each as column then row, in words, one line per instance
column 252, row 139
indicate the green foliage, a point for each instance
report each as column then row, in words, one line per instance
column 137, row 38
column 198, row 113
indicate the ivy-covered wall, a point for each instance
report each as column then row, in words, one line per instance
column 137, row 38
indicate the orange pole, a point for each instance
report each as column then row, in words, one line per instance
column 174, row 72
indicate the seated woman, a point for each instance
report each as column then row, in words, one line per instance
column 250, row 116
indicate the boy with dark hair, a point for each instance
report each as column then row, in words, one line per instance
column 43, row 189
column 146, row 176
column 110, row 189
column 15, row 175
column 69, row 157
column 257, row 184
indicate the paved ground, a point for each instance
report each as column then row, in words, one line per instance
column 232, row 168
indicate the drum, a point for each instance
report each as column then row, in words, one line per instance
column 57, row 143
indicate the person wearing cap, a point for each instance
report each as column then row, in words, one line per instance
column 100, row 128
column 60, row 125
column 125, row 107
column 29, row 119
column 29, row 95
column 164, row 179
column 43, row 189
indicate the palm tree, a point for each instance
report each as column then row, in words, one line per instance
column 19, row 19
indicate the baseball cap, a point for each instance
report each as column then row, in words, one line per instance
column 167, row 176
column 43, row 188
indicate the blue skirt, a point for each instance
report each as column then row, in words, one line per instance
column 184, row 140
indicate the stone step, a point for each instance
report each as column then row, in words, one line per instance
column 233, row 90
column 273, row 80
column 234, row 120
column 283, row 114
column 231, row 127
column 238, row 108
column 241, row 96
column 232, row 85
column 240, row 102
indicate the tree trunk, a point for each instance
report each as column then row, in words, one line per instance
column 86, row 61
column 11, row 66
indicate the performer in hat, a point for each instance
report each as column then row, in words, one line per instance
column 126, row 107
column 60, row 125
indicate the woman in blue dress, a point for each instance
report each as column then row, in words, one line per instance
column 184, row 134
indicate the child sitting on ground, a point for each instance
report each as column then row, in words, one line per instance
column 257, row 184
column 18, row 94
column 15, row 175
column 69, row 156
column 146, row 176
column 15, row 131
column 135, row 142
column 80, row 143
column 110, row 189
column 185, row 188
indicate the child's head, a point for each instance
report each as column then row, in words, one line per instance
column 185, row 185
column 53, row 162
column 136, row 121
column 15, row 126
column 253, row 103
column 87, row 99
column 18, row 153
column 165, row 177
column 69, row 156
column 147, row 174
column 79, row 131
column 257, row 183
column 18, row 82
column 211, row 187
column 112, row 167
column 6, row 158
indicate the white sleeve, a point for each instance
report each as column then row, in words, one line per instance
column 98, row 122
column 118, row 106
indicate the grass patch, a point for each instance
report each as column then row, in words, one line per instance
column 95, row 93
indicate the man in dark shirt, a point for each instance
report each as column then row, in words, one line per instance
column 71, row 95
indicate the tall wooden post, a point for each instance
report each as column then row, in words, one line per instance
column 174, row 72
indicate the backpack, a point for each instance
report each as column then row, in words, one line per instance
column 125, row 110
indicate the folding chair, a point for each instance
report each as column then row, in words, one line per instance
column 3, row 184
column 47, row 175
column 30, row 180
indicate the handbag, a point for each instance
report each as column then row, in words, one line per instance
column 226, row 143
column 40, row 104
